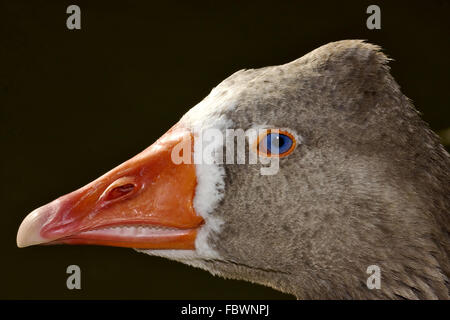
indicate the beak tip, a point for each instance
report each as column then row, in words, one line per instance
column 29, row 230
column 20, row 244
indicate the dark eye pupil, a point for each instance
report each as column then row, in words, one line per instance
column 278, row 143
column 281, row 141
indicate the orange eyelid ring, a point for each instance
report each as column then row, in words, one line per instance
column 261, row 150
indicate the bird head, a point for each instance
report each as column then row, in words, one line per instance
column 332, row 191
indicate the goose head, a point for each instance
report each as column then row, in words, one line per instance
column 346, row 176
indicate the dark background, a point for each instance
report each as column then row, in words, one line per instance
column 75, row 104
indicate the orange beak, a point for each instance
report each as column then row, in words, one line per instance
column 146, row 202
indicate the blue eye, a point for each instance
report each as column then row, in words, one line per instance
column 280, row 144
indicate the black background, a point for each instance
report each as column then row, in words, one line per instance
column 75, row 104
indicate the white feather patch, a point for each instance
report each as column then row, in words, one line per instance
column 210, row 187
column 208, row 114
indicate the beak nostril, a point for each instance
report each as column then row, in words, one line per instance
column 119, row 191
